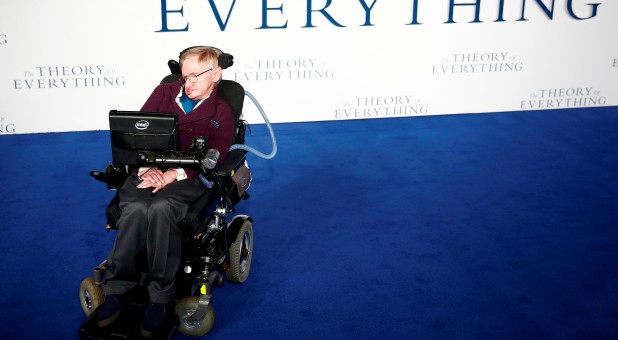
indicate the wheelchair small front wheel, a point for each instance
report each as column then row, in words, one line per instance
column 90, row 295
column 185, row 308
column 241, row 252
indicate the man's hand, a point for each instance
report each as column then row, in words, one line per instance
column 157, row 179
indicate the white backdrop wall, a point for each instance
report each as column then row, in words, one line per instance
column 66, row 63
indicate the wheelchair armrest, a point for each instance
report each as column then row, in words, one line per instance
column 113, row 177
column 232, row 161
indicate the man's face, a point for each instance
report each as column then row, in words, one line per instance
column 205, row 82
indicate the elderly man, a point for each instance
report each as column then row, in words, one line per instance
column 155, row 199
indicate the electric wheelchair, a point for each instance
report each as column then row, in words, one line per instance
column 214, row 247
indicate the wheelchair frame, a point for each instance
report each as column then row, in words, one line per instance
column 216, row 247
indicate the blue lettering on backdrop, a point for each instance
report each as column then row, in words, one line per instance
column 265, row 10
column 164, row 12
column 215, row 11
column 323, row 11
column 477, row 11
column 415, row 14
column 548, row 10
column 546, row 6
column 593, row 11
column 367, row 12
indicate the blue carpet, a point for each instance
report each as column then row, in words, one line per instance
column 486, row 226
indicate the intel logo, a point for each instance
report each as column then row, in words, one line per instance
column 142, row 125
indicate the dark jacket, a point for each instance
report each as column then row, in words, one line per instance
column 213, row 118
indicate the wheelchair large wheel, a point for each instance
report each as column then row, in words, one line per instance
column 241, row 252
column 187, row 306
column 90, row 295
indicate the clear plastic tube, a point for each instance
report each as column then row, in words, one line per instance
column 270, row 129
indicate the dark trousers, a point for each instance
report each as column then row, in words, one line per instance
column 148, row 225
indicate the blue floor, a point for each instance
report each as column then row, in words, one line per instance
column 485, row 226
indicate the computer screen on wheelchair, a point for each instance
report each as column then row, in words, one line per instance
column 137, row 137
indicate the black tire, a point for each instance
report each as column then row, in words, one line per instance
column 90, row 296
column 241, row 252
column 184, row 308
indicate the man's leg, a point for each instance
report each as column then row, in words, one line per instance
column 123, row 271
column 164, row 237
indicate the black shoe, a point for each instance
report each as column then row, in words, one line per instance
column 153, row 318
column 110, row 310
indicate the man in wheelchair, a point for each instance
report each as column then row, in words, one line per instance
column 155, row 198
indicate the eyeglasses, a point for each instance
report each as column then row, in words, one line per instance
column 193, row 77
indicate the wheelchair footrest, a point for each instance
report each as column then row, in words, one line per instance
column 128, row 324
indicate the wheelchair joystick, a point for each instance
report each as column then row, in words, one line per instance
column 210, row 160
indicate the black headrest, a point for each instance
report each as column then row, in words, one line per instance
column 174, row 66
column 226, row 60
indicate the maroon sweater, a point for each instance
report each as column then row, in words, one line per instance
column 213, row 118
